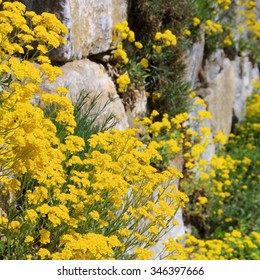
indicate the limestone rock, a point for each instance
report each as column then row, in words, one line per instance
column 220, row 101
column 86, row 75
column 245, row 73
column 194, row 58
column 213, row 65
column 90, row 24
column 138, row 109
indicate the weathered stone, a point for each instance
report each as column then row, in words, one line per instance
column 86, row 75
column 138, row 108
column 194, row 58
column 220, row 101
column 245, row 73
column 213, row 65
column 258, row 8
column 90, row 24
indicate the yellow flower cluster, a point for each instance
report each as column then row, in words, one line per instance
column 228, row 41
column 122, row 29
column 143, row 254
column 196, row 21
column 251, row 22
column 215, row 185
column 213, row 27
column 253, row 107
column 77, row 202
column 27, row 137
column 123, row 81
column 144, row 62
column 175, row 250
column 123, row 34
column 30, row 28
column 234, row 246
column 121, row 54
column 167, row 38
column 224, row 3
column 202, row 200
column 187, row 32
column 220, row 138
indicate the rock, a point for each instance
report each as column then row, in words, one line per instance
column 90, row 24
column 86, row 75
column 213, row 65
column 138, row 108
column 194, row 58
column 245, row 73
column 220, row 101
column 258, row 8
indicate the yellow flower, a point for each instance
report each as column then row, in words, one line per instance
column 15, row 226
column 131, row 36
column 186, row 32
column 202, row 200
column 43, row 59
column 156, row 95
column 204, row 115
column 28, row 239
column 236, row 233
column 123, row 35
column 43, row 253
column 44, row 236
column 158, row 36
column 189, row 165
column 143, row 254
column 123, row 81
column 120, row 53
column 31, row 215
column 204, row 176
column 29, row 257
column 196, row 21
column 144, row 62
column 94, row 215
column 42, row 48
column 124, row 232
column 154, row 114
column 205, row 130
column 139, row 45
column 158, row 49
column 3, row 221
column 62, row 90
column 153, row 230
column 220, row 138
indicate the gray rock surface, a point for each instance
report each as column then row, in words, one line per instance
column 194, row 58
column 90, row 24
column 245, row 73
column 86, row 75
column 220, row 101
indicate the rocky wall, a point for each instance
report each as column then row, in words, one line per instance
column 223, row 83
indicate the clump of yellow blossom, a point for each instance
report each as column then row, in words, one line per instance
column 123, row 81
